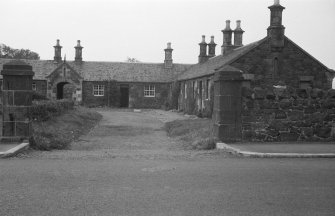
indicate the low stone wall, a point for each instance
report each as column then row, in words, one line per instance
column 286, row 114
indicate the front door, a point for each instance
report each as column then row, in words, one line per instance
column 124, row 97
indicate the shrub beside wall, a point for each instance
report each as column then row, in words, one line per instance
column 288, row 114
column 45, row 109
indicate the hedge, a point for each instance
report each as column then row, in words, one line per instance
column 45, row 109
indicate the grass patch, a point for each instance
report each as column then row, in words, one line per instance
column 195, row 134
column 59, row 131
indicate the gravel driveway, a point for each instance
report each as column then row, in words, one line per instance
column 123, row 133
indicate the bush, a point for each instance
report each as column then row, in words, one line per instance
column 60, row 131
column 44, row 110
column 38, row 96
column 196, row 134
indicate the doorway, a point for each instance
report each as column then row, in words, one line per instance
column 124, row 96
column 65, row 90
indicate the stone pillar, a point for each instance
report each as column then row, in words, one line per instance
column 227, row 104
column 17, row 100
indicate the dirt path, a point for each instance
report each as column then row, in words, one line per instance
column 127, row 134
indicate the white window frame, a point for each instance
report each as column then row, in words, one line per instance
column 98, row 90
column 149, row 91
column 34, row 87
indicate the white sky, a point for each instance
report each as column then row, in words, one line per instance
column 112, row 30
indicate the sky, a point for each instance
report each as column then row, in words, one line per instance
column 114, row 30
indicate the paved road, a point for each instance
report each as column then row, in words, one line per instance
column 109, row 172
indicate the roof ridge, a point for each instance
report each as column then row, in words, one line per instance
column 234, row 54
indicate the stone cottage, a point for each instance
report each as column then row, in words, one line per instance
column 268, row 90
column 138, row 85
column 274, row 60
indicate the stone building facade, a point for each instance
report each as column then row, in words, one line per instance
column 283, row 88
column 282, row 93
column 138, row 85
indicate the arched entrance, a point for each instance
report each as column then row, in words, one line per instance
column 65, row 90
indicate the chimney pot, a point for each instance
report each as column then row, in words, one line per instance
column 238, row 24
column 58, row 52
column 212, row 39
column 78, row 55
column 276, row 2
column 168, row 61
column 227, row 25
column 203, row 39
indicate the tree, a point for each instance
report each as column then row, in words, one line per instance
column 11, row 53
column 132, row 60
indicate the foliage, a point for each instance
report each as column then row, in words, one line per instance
column 196, row 134
column 11, row 53
column 38, row 96
column 45, row 109
column 132, row 60
column 59, row 132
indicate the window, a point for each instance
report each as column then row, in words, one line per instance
column 185, row 90
column 34, row 86
column 207, row 89
column 98, row 90
column 149, row 91
column 275, row 68
column 193, row 89
column 200, row 89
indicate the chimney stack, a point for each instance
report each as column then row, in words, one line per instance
column 238, row 33
column 276, row 31
column 78, row 58
column 203, row 51
column 211, row 48
column 227, row 36
column 58, row 52
column 168, row 62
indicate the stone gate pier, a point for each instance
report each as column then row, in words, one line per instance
column 17, row 101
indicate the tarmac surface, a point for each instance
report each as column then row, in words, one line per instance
column 128, row 166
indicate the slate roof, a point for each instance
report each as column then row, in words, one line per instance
column 128, row 72
column 120, row 71
column 208, row 67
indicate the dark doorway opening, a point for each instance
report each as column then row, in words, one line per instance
column 124, row 96
column 60, row 90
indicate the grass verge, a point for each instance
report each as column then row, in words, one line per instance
column 194, row 134
column 59, row 131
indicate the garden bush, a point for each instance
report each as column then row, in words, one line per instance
column 45, row 109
